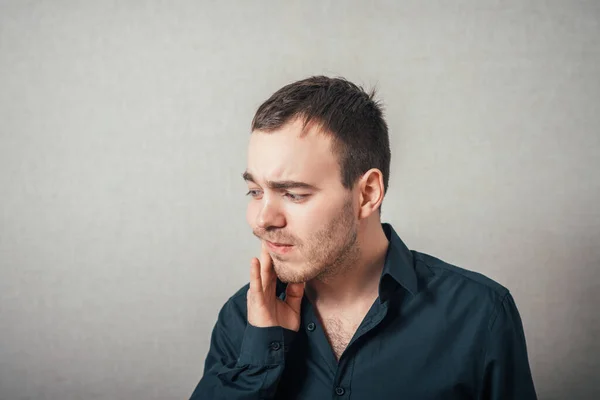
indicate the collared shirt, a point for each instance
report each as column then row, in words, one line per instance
column 436, row 331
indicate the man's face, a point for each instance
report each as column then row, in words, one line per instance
column 298, row 206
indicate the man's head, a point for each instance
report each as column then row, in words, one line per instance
column 318, row 168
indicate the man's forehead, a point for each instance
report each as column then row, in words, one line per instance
column 289, row 153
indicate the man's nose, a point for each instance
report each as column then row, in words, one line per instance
column 270, row 215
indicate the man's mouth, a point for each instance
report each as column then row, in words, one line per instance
column 279, row 248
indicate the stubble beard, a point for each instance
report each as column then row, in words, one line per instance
column 331, row 251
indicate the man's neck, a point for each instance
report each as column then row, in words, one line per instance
column 358, row 283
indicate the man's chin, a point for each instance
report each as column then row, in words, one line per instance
column 291, row 280
column 288, row 273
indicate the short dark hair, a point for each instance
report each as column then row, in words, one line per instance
column 352, row 116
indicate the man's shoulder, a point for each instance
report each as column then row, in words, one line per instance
column 240, row 295
column 235, row 307
column 454, row 276
column 238, row 299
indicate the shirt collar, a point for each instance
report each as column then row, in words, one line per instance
column 398, row 265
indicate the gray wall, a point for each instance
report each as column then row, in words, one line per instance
column 123, row 133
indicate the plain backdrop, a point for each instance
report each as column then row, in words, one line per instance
column 123, row 134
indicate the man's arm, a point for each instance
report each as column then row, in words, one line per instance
column 248, row 345
column 244, row 362
column 506, row 375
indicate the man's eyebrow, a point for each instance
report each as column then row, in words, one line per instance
column 248, row 177
column 280, row 185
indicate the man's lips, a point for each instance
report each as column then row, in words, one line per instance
column 280, row 248
column 277, row 243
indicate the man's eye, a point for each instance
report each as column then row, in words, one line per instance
column 253, row 193
column 295, row 197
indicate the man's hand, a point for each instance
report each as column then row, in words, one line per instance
column 264, row 307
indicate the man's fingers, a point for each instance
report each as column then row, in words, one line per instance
column 267, row 272
column 293, row 295
column 256, row 285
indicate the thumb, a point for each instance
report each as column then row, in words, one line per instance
column 293, row 295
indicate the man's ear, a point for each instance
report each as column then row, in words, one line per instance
column 371, row 193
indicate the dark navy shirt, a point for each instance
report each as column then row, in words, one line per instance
column 436, row 331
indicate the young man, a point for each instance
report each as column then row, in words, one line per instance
column 337, row 306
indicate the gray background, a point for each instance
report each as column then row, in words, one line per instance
column 123, row 134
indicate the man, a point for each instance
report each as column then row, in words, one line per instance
column 337, row 306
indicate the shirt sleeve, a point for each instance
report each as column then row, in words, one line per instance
column 243, row 362
column 507, row 375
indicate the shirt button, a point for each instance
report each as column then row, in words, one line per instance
column 339, row 391
column 311, row 327
column 275, row 346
